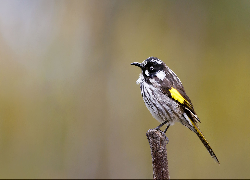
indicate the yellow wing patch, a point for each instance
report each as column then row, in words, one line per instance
column 176, row 95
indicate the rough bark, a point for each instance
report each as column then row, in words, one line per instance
column 158, row 141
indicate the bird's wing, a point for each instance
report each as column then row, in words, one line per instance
column 179, row 95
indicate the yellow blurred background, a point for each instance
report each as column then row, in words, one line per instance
column 69, row 103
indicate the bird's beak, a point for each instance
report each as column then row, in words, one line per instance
column 137, row 64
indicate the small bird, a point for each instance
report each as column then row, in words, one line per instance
column 165, row 98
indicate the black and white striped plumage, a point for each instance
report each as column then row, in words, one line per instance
column 165, row 97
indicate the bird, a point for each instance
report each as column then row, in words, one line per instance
column 166, row 99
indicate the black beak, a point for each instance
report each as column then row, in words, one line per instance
column 137, row 64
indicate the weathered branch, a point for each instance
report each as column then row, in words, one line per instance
column 157, row 141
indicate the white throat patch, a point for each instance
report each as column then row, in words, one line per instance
column 140, row 79
column 161, row 75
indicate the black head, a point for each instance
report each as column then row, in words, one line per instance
column 152, row 67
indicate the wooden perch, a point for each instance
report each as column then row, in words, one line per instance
column 158, row 141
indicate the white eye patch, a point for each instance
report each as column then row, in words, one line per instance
column 161, row 75
column 147, row 73
column 158, row 61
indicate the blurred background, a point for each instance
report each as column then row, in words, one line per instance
column 69, row 103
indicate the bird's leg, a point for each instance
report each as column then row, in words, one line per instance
column 166, row 128
column 158, row 127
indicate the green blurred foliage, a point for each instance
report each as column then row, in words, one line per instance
column 69, row 104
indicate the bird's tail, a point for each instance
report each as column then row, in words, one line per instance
column 205, row 143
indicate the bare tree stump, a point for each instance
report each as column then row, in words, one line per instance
column 158, row 141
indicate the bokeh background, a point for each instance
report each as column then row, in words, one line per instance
column 69, row 103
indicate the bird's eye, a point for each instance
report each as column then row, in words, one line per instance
column 151, row 68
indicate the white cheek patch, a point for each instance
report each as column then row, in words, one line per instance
column 147, row 73
column 161, row 75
